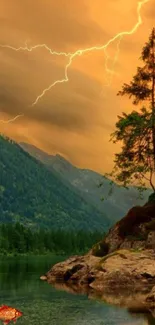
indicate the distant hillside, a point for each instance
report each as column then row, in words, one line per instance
column 87, row 181
column 35, row 196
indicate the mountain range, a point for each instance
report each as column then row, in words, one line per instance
column 36, row 196
column 86, row 183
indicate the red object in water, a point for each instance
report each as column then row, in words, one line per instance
column 8, row 314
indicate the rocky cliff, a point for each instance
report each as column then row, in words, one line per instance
column 135, row 231
column 124, row 261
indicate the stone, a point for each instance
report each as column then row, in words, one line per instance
column 127, row 264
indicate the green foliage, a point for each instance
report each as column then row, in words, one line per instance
column 140, row 88
column 91, row 185
column 100, row 249
column 152, row 197
column 17, row 239
column 35, row 196
column 136, row 157
column 135, row 164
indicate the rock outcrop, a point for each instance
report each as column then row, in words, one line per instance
column 124, row 261
column 135, row 231
column 120, row 270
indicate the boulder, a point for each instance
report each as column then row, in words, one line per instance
column 124, row 261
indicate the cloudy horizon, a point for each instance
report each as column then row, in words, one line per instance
column 74, row 118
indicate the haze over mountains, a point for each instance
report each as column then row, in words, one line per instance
column 86, row 183
column 35, row 196
column 41, row 190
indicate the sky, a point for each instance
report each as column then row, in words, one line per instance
column 74, row 118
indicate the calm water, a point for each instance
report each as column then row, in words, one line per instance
column 21, row 287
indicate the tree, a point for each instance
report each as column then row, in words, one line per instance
column 136, row 130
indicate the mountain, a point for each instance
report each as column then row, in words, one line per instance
column 36, row 196
column 86, row 182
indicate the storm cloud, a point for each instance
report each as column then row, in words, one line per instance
column 74, row 118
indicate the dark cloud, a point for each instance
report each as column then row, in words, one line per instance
column 74, row 118
column 61, row 24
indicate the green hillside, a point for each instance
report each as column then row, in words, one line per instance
column 34, row 196
column 86, row 184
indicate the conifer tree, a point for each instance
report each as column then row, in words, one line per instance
column 136, row 130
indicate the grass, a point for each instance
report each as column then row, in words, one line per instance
column 120, row 253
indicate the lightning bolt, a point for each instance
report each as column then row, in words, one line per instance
column 12, row 119
column 108, row 70
column 81, row 52
column 31, row 48
column 65, row 79
column 96, row 48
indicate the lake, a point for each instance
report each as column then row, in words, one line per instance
column 20, row 287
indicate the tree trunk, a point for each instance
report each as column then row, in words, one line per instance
column 153, row 96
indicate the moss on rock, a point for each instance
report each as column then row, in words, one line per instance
column 100, row 249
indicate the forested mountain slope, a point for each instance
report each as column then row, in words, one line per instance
column 86, row 181
column 35, row 196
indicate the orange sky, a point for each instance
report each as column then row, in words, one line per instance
column 74, row 119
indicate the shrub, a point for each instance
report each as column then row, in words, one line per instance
column 152, row 197
column 100, row 249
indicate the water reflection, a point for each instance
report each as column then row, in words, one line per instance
column 133, row 302
column 148, row 319
column 43, row 304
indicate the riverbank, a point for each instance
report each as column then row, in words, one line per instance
column 124, row 261
column 41, row 303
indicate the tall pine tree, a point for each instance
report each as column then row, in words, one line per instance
column 136, row 130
